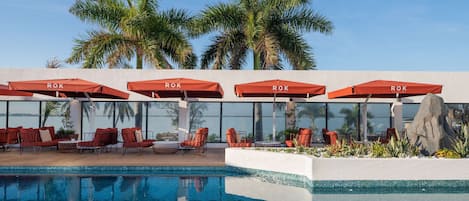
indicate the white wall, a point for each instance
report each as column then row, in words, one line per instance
column 330, row 169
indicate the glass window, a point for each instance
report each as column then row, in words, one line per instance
column 237, row 116
column 129, row 115
column 379, row 117
column 264, row 124
column 313, row 116
column 56, row 114
column 409, row 111
column 3, row 114
column 23, row 113
column 163, row 120
column 205, row 114
column 344, row 118
column 96, row 115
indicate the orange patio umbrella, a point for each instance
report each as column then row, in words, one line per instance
column 384, row 89
column 74, row 87
column 4, row 91
column 177, row 88
column 278, row 88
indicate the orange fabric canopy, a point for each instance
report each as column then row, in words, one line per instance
column 385, row 89
column 279, row 88
column 4, row 91
column 68, row 88
column 177, row 88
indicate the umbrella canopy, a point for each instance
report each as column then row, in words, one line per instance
column 76, row 88
column 385, row 89
column 278, row 88
column 4, row 91
column 177, row 88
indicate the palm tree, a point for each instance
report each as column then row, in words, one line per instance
column 269, row 29
column 131, row 29
column 312, row 111
column 351, row 120
column 50, row 107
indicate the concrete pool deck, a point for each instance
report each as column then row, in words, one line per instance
column 12, row 157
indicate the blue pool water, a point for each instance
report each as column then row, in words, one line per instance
column 205, row 183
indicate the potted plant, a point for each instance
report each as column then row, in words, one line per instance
column 66, row 134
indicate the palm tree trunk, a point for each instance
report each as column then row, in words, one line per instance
column 291, row 116
column 258, row 132
column 257, row 61
column 139, row 114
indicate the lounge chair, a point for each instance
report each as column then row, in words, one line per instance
column 233, row 140
column 198, row 141
column 390, row 133
column 102, row 138
column 131, row 139
column 36, row 138
column 331, row 138
column 304, row 137
column 14, row 135
column 3, row 138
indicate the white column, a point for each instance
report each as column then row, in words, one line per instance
column 396, row 112
column 75, row 116
column 183, row 121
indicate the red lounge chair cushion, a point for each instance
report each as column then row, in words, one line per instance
column 304, row 137
column 13, row 135
column 3, row 136
column 199, row 140
column 232, row 140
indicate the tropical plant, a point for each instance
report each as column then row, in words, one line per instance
column 401, row 148
column 461, row 143
column 271, row 29
column 54, row 63
column 131, row 29
column 50, row 107
column 312, row 111
column 446, row 153
column 378, row 150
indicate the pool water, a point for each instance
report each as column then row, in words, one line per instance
column 204, row 184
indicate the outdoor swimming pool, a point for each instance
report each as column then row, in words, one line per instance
column 203, row 183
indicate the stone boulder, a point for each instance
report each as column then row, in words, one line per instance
column 430, row 130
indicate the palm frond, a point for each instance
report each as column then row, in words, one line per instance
column 296, row 50
column 106, row 13
column 268, row 47
column 304, row 19
column 220, row 17
column 225, row 48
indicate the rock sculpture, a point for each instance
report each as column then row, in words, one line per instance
column 430, row 130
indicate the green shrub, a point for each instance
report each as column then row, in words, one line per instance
column 378, row 150
column 446, row 153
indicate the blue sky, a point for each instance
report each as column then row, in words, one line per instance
column 430, row 35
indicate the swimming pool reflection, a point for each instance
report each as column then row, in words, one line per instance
column 193, row 187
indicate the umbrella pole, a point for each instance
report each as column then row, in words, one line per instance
column 273, row 120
